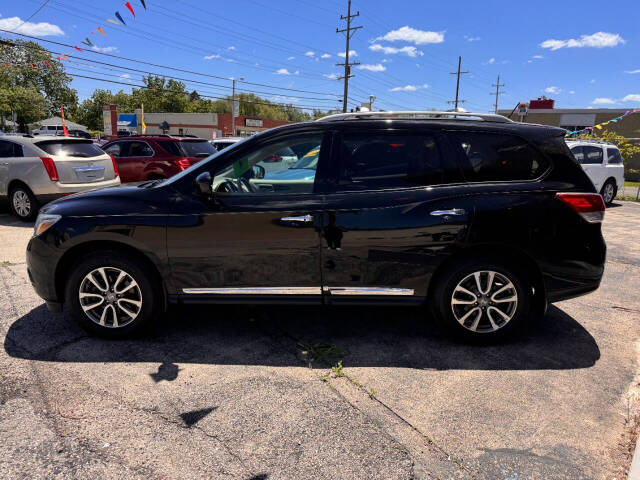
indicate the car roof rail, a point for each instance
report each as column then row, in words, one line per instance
column 417, row 114
column 586, row 140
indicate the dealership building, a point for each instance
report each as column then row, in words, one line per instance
column 204, row 125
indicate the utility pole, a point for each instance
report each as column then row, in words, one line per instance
column 458, row 73
column 349, row 32
column 371, row 99
column 498, row 92
column 235, row 106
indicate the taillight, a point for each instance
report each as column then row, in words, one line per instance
column 182, row 163
column 50, row 167
column 590, row 206
column 115, row 166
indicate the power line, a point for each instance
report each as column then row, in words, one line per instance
column 349, row 32
column 165, row 66
column 44, row 4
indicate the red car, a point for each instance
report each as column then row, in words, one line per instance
column 149, row 157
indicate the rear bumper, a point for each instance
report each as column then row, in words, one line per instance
column 572, row 280
column 58, row 190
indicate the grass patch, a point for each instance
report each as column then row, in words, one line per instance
column 320, row 352
column 632, row 184
column 5, row 263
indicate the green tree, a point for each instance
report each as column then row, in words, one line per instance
column 49, row 80
column 627, row 149
column 28, row 105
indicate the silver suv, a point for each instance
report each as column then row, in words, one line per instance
column 36, row 170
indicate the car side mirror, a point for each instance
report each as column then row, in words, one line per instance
column 258, row 171
column 204, row 181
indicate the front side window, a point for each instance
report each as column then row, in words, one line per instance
column 273, row 168
column 115, row 149
column 497, row 157
column 387, row 160
column 592, row 155
column 613, row 156
column 140, row 149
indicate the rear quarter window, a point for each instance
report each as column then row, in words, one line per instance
column 613, row 156
column 497, row 157
column 71, row 149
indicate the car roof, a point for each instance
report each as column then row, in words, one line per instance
column 26, row 139
column 227, row 139
column 169, row 138
column 591, row 142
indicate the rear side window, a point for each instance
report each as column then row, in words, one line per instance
column 497, row 157
column 197, row 149
column 591, row 155
column 171, row 147
column 382, row 161
column 116, row 149
column 613, row 156
column 10, row 149
column 140, row 149
column 71, row 149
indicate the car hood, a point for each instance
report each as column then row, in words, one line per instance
column 292, row 174
column 114, row 201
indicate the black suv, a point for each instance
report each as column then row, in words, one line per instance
column 484, row 220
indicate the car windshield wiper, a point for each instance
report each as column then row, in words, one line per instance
column 151, row 183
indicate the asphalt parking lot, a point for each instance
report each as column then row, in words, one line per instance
column 249, row 393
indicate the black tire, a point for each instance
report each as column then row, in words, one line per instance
column 17, row 197
column 606, row 192
column 148, row 292
column 463, row 271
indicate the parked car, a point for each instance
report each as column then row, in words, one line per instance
column 483, row 220
column 152, row 157
column 224, row 142
column 48, row 130
column 603, row 164
column 36, row 170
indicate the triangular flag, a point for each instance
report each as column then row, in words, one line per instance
column 101, row 31
column 119, row 17
column 599, row 127
column 142, row 2
column 59, row 58
column 5, row 65
column 111, row 20
column 46, row 63
column 128, row 5
column 77, row 48
column 65, row 57
column 88, row 42
column 32, row 66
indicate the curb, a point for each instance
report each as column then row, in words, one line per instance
column 634, row 471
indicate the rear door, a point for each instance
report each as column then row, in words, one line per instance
column 78, row 161
column 397, row 211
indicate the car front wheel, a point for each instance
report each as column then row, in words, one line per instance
column 482, row 299
column 112, row 295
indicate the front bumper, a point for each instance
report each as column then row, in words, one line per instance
column 42, row 261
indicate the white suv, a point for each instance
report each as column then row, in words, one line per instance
column 603, row 164
column 36, row 170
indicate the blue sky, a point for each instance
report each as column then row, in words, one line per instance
column 579, row 53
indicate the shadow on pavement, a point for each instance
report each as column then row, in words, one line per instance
column 283, row 336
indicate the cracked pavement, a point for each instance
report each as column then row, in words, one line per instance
column 248, row 392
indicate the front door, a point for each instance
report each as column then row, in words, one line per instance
column 398, row 211
column 258, row 238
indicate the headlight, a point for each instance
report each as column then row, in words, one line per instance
column 44, row 222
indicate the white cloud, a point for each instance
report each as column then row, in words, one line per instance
column 231, row 48
column 104, row 49
column 378, row 67
column 352, row 53
column 572, row 92
column 491, row 61
column 310, row 54
column 597, row 40
column 408, row 50
column 297, row 72
column 592, row 81
column 291, row 58
column 603, row 101
column 330, row 76
column 412, row 35
column 125, row 75
column 283, row 71
column 212, row 56
column 325, row 55
column 632, row 72
column 552, row 89
column 634, row 97
column 284, row 99
column 41, row 29
column 538, row 57
column 472, row 39
column 409, row 88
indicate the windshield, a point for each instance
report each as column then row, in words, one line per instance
column 309, row 161
column 71, row 149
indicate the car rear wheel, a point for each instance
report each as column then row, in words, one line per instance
column 112, row 295
column 609, row 192
column 482, row 299
column 23, row 203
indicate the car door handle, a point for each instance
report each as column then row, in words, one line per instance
column 448, row 213
column 302, row 219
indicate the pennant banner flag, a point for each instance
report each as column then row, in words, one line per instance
column 64, row 125
column 111, row 20
column 128, row 5
column 99, row 29
column 143, row 5
column 119, row 17
column 603, row 124
column 144, row 125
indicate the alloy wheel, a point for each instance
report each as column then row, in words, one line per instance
column 110, row 297
column 484, row 301
column 608, row 193
column 21, row 203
